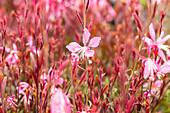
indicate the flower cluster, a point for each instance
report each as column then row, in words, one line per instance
column 52, row 60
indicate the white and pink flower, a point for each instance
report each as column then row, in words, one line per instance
column 11, row 102
column 163, row 69
column 157, row 44
column 74, row 47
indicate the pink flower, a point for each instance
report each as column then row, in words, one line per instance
column 145, row 85
column 156, row 87
column 158, row 84
column 150, row 67
column 59, row 102
column 157, row 43
column 11, row 102
column 84, row 51
column 30, row 41
column 165, row 68
column 33, row 48
column 52, row 75
column 147, row 94
column 12, row 57
column 23, row 86
column 6, row 49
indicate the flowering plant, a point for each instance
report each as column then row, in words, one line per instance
column 84, row 56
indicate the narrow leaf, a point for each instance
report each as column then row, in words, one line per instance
column 104, row 89
column 82, row 78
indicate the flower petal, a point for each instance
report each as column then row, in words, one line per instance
column 60, row 81
column 148, row 41
column 165, row 48
column 146, row 70
column 160, row 37
column 86, row 36
column 158, row 83
column 165, row 68
column 6, row 49
column 73, row 47
column 14, row 46
column 89, row 53
column 30, row 41
column 161, row 54
column 94, row 42
column 59, row 102
column 165, row 39
column 152, row 31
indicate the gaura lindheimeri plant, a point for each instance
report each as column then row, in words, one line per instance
column 157, row 44
column 155, row 88
column 37, row 76
column 163, row 69
column 150, row 66
column 74, row 47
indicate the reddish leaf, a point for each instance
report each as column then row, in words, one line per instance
column 138, row 22
column 33, row 74
column 97, row 78
column 79, row 17
column 3, row 90
column 154, row 11
column 116, row 105
column 82, row 78
column 87, row 5
column 104, row 89
column 147, row 110
column 0, row 80
column 62, row 66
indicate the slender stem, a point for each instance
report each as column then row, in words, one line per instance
column 86, row 58
column 18, row 84
column 84, row 14
column 37, row 68
column 135, row 66
column 86, row 85
column 3, row 65
column 73, row 91
column 136, row 62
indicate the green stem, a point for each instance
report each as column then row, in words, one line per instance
column 72, row 82
column 135, row 66
column 84, row 14
column 86, row 85
column 136, row 61
column 86, row 57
